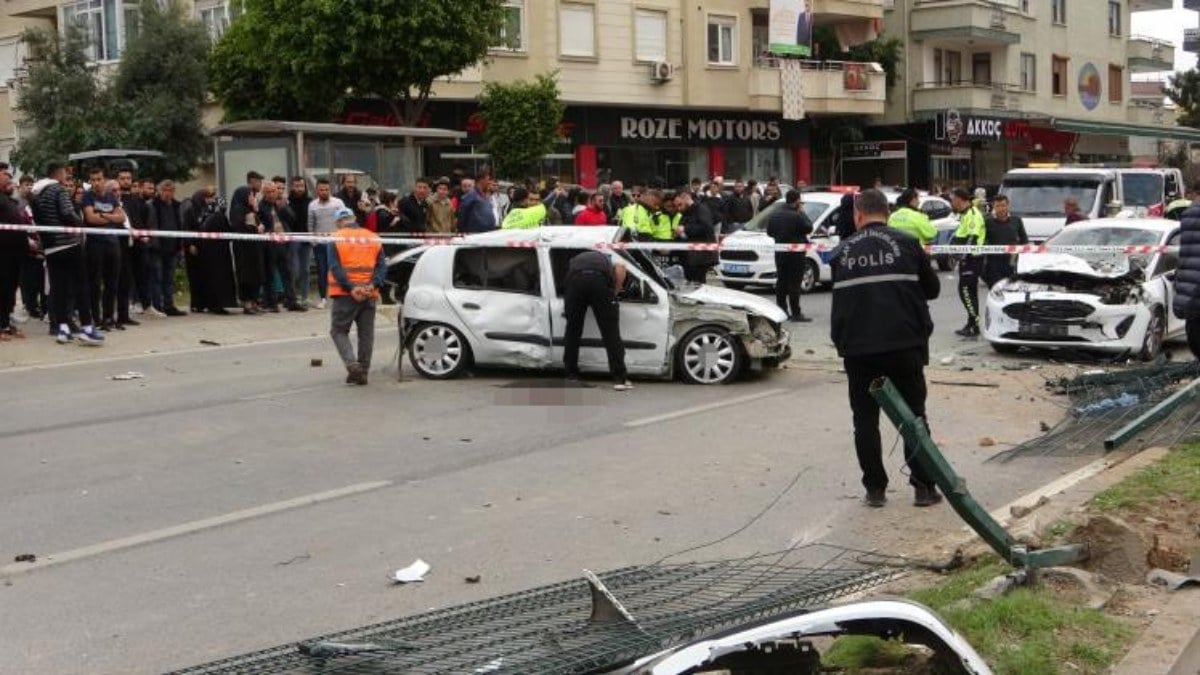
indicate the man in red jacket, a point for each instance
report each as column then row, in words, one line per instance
column 594, row 214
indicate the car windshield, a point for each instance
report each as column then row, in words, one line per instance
column 1142, row 189
column 813, row 209
column 1108, row 236
column 1043, row 196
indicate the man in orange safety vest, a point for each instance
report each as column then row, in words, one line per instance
column 357, row 270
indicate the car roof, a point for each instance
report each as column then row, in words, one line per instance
column 1160, row 225
column 559, row 236
column 1061, row 172
column 832, row 197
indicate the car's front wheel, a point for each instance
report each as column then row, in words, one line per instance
column 438, row 351
column 812, row 275
column 709, row 355
column 1152, row 341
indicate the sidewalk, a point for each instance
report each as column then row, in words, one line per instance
column 173, row 334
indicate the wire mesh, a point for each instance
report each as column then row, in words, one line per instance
column 547, row 629
column 1100, row 404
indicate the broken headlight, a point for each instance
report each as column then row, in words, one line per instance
column 764, row 330
column 1119, row 294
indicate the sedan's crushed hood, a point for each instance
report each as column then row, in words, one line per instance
column 715, row 295
column 1110, row 277
column 1097, row 266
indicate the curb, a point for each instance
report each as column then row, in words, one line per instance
column 1171, row 643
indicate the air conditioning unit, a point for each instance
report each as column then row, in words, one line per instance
column 661, row 71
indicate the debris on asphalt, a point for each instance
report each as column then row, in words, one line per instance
column 491, row 666
column 987, row 442
column 947, row 360
column 25, row 557
column 465, row 440
column 1020, row 510
column 326, row 649
column 664, row 512
column 1044, row 427
column 473, row 579
column 1170, row 580
column 947, row 383
column 412, row 574
column 130, row 375
column 1125, row 400
column 210, row 343
column 316, row 363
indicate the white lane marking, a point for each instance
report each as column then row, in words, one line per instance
column 286, row 392
column 177, row 352
column 666, row 417
column 154, row 536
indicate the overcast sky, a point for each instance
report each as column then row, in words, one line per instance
column 1168, row 25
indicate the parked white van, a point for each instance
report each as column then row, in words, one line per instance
column 1037, row 196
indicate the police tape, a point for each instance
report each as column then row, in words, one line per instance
column 490, row 240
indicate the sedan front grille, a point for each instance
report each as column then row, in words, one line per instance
column 1049, row 310
column 739, row 255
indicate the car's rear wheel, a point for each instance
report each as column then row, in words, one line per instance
column 438, row 351
column 812, row 275
column 709, row 355
column 1152, row 341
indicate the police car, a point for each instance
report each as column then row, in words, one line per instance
column 497, row 300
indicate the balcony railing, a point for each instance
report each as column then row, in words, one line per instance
column 969, row 94
column 830, row 87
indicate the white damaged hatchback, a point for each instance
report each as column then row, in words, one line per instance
column 1111, row 302
column 497, row 300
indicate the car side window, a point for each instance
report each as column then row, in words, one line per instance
column 513, row 270
column 1169, row 261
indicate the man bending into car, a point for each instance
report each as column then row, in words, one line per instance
column 592, row 281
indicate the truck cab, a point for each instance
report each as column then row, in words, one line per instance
column 1037, row 196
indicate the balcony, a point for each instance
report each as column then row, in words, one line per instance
column 1001, row 99
column 832, row 11
column 1150, row 55
column 984, row 23
column 830, row 87
column 1147, row 114
column 1154, row 5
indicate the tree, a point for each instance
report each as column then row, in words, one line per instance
column 161, row 84
column 61, row 105
column 301, row 59
column 521, row 121
column 1184, row 91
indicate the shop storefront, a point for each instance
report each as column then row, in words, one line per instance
column 869, row 161
column 635, row 145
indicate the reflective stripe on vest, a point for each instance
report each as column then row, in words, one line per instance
column 357, row 259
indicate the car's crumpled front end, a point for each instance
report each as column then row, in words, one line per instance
column 755, row 321
column 1065, row 301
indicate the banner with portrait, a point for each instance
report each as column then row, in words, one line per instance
column 790, row 28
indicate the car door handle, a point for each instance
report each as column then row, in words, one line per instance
column 470, row 305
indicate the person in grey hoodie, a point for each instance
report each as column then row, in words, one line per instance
column 322, row 219
column 65, row 259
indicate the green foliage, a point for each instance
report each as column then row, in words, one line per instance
column 160, row 87
column 1177, row 475
column 301, row 59
column 855, row 652
column 61, row 102
column 152, row 102
column 1184, row 91
column 522, row 120
column 888, row 52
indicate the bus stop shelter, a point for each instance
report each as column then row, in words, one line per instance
column 386, row 158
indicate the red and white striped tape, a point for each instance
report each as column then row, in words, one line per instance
column 467, row 240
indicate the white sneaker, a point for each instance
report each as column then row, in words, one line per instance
column 20, row 316
column 623, row 386
column 137, row 308
column 321, row 304
column 151, row 311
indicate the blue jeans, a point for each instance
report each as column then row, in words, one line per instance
column 162, row 287
column 322, row 254
column 299, row 253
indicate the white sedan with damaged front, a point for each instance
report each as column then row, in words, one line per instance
column 497, row 300
column 1115, row 303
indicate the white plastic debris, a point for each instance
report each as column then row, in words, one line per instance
column 490, row 666
column 131, row 375
column 413, row 573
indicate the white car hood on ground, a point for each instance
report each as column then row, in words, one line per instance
column 1099, row 266
column 715, row 295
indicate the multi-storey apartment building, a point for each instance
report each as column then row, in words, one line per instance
column 988, row 85
column 654, row 88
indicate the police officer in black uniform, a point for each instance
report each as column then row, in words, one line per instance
column 790, row 225
column 592, row 281
column 882, row 282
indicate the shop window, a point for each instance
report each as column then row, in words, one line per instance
column 512, row 31
column 106, row 24
column 1058, row 11
column 722, row 40
column 650, row 28
column 1028, row 72
column 1116, row 79
column 1114, row 18
column 511, row 270
column 1059, row 75
column 577, row 30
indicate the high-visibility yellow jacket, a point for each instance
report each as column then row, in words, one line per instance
column 972, row 228
column 524, row 218
column 655, row 226
column 913, row 222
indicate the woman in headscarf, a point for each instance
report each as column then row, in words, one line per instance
column 249, row 256
column 192, row 213
column 213, row 261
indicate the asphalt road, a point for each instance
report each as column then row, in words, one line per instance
column 237, row 498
